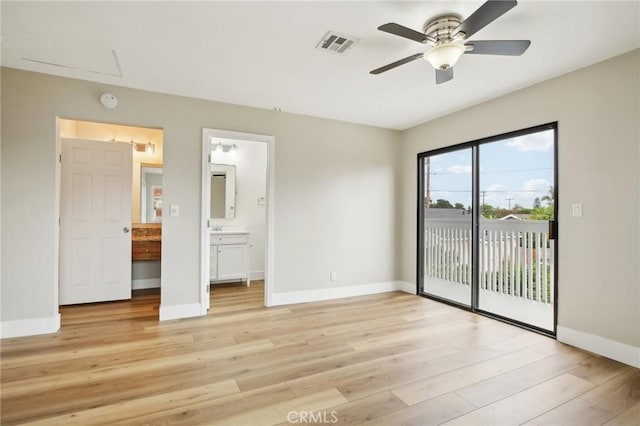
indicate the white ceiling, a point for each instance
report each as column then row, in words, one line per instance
column 263, row 54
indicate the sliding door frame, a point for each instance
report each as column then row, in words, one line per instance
column 475, row 232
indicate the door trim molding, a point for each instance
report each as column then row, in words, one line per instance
column 270, row 210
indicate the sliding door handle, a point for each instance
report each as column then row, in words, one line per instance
column 553, row 229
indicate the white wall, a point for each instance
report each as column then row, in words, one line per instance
column 597, row 110
column 334, row 190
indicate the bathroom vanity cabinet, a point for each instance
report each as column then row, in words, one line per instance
column 229, row 252
column 146, row 241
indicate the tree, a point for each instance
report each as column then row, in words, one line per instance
column 537, row 203
column 547, row 212
column 442, row 204
column 549, row 197
column 458, row 206
column 488, row 211
column 543, row 213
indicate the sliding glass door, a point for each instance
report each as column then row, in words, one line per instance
column 487, row 226
column 446, row 226
column 516, row 250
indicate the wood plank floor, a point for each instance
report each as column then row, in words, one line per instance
column 386, row 359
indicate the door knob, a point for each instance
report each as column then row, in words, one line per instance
column 125, row 229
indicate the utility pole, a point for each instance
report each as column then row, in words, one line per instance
column 483, row 195
column 509, row 200
column 427, row 181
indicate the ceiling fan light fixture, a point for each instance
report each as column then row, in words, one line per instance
column 444, row 56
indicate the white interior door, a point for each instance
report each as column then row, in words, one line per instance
column 95, row 221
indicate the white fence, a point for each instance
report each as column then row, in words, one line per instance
column 515, row 256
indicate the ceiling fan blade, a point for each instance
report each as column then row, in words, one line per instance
column 396, row 63
column 399, row 30
column 498, row 47
column 442, row 76
column 483, row 16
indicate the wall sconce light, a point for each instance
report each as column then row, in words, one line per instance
column 147, row 148
column 150, row 148
column 225, row 147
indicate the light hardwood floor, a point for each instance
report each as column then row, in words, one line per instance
column 386, row 359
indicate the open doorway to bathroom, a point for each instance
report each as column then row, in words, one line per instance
column 236, row 212
column 110, row 219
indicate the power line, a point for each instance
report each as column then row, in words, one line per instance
column 491, row 171
column 494, row 190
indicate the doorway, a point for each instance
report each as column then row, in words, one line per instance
column 237, row 211
column 487, row 226
column 141, row 148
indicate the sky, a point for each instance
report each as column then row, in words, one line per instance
column 512, row 171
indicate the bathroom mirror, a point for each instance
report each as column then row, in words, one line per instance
column 150, row 193
column 223, row 191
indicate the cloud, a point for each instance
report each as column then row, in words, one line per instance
column 494, row 194
column 496, row 187
column 536, row 142
column 537, row 185
column 459, row 169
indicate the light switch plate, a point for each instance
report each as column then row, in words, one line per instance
column 175, row 210
column 576, row 210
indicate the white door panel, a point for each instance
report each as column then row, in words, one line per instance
column 95, row 218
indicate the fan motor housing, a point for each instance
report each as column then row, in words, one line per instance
column 442, row 27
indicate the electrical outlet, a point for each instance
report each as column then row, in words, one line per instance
column 334, row 277
column 175, row 210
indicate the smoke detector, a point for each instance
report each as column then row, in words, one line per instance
column 109, row 101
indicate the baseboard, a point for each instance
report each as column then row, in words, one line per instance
column 600, row 345
column 316, row 295
column 30, row 327
column 145, row 283
column 257, row 275
column 407, row 287
column 187, row 310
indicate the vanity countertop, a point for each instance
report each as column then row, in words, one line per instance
column 146, row 231
column 226, row 231
column 146, row 238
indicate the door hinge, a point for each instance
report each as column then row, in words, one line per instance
column 60, row 158
column 209, row 157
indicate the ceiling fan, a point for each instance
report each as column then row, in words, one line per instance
column 447, row 35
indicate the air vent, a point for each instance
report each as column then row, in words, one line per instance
column 335, row 42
